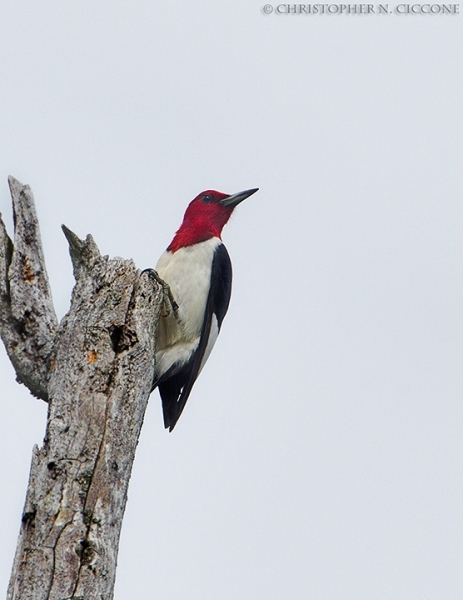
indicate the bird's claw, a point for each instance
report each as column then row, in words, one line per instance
column 167, row 294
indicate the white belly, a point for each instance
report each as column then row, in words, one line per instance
column 188, row 273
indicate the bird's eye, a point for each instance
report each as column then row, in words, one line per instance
column 207, row 198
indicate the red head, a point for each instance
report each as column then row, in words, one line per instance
column 205, row 217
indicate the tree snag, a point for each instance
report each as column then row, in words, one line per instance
column 95, row 370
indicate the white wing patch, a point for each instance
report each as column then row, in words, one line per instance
column 213, row 335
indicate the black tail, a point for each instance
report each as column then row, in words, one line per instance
column 173, row 401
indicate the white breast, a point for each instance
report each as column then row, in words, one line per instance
column 188, row 273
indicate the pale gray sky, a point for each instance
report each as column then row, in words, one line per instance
column 320, row 453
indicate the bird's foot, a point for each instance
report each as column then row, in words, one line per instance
column 168, row 296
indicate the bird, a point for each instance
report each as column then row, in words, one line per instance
column 197, row 272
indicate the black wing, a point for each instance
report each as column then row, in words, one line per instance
column 176, row 384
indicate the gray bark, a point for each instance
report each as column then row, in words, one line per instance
column 95, row 370
column 28, row 322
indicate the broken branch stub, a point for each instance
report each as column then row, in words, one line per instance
column 28, row 321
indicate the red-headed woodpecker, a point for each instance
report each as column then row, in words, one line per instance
column 197, row 268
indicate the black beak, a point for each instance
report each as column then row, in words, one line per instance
column 235, row 199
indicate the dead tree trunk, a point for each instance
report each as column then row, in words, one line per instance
column 95, row 370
